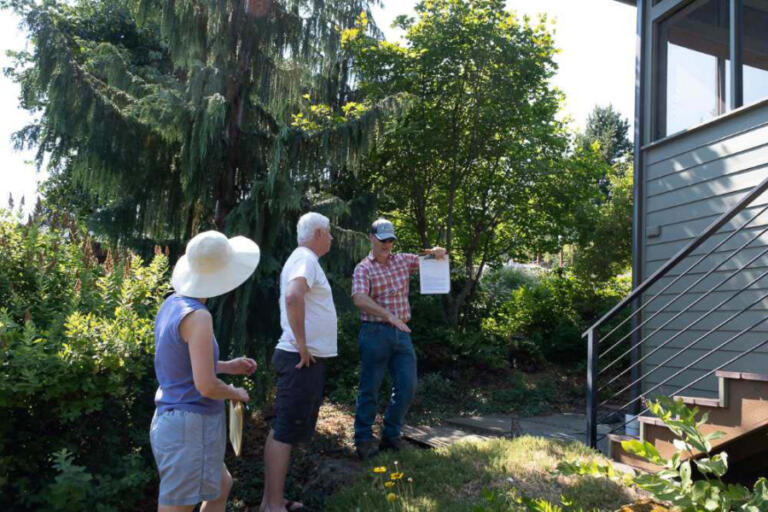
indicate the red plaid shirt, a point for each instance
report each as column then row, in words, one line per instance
column 387, row 284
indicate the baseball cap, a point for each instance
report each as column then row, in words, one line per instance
column 383, row 229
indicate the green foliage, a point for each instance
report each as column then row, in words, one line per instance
column 476, row 161
column 344, row 371
column 610, row 130
column 522, row 398
column 77, row 345
column 163, row 119
column 495, row 501
column 674, row 483
column 603, row 234
column 605, row 239
column 553, row 313
column 499, row 283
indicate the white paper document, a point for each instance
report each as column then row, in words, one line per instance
column 434, row 275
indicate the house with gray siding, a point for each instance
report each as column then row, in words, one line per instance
column 696, row 325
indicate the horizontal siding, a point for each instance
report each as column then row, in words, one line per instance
column 725, row 185
column 718, row 281
column 703, row 340
column 720, row 245
column 689, row 183
column 753, row 319
column 708, row 171
column 690, row 228
column 707, row 387
column 691, row 157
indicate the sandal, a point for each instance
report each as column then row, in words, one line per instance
column 290, row 506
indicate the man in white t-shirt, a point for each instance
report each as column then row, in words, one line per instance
column 308, row 320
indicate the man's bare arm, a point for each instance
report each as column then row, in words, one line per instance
column 295, row 310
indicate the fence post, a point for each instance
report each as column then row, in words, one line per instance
column 592, row 342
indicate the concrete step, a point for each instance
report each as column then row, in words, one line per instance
column 491, row 425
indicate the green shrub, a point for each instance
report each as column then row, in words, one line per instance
column 77, row 356
column 499, row 283
column 553, row 313
column 344, row 370
column 434, row 389
column 454, row 351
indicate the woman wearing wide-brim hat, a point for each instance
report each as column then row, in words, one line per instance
column 188, row 433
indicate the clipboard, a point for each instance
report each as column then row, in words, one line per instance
column 236, row 426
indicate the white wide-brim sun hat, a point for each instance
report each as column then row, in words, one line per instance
column 214, row 265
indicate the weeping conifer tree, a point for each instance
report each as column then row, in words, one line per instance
column 173, row 116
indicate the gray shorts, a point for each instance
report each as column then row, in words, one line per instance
column 298, row 398
column 189, row 452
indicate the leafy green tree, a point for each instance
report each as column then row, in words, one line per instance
column 604, row 239
column 161, row 119
column 605, row 245
column 610, row 130
column 477, row 161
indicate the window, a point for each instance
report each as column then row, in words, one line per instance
column 755, row 50
column 693, row 66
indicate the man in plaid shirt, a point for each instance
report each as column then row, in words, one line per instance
column 380, row 287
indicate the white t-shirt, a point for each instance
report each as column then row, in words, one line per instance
column 320, row 324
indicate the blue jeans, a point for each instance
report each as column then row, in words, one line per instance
column 384, row 347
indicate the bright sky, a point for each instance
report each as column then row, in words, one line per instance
column 596, row 67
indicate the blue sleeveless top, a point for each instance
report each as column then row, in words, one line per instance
column 173, row 366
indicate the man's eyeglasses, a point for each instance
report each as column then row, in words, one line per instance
column 388, row 241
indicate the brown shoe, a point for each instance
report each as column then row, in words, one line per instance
column 390, row 445
column 367, row 449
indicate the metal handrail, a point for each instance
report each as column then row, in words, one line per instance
column 681, row 254
column 593, row 334
column 690, row 287
column 684, row 310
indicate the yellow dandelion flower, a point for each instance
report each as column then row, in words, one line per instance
column 380, row 469
column 389, row 484
column 396, row 476
column 391, row 497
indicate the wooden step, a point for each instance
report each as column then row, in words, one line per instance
column 701, row 402
column 756, row 377
column 438, row 436
column 746, row 396
column 740, row 410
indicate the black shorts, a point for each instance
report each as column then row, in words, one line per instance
column 298, row 398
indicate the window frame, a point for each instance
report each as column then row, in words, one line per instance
column 661, row 11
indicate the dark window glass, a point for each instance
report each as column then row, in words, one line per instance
column 692, row 66
column 755, row 44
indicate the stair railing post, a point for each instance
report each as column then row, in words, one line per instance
column 636, row 373
column 592, row 341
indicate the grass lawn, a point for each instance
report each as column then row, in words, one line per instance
column 327, row 475
column 456, row 478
